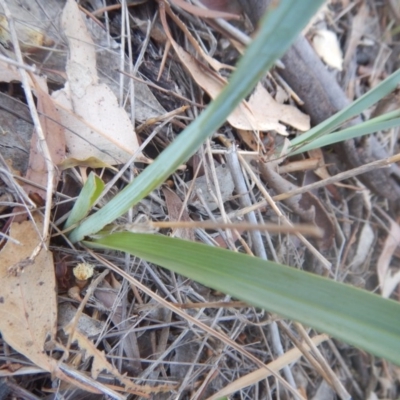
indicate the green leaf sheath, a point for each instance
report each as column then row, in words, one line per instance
column 87, row 197
column 355, row 316
column 278, row 29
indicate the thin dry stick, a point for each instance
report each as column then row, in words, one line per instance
column 270, row 201
column 336, row 178
column 307, row 355
column 218, row 192
column 256, row 376
column 190, row 319
column 337, row 385
column 36, row 122
column 248, row 226
column 259, row 249
column 73, row 323
column 10, row 61
column 340, row 177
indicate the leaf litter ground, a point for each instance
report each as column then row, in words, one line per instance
column 141, row 325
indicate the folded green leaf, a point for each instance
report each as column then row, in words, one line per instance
column 380, row 123
column 353, row 315
column 355, row 108
column 90, row 192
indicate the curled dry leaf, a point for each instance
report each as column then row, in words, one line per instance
column 91, row 162
column 364, row 246
column 97, row 125
column 262, row 104
column 327, row 46
column 55, row 140
column 52, row 129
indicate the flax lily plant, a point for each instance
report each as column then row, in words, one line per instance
column 352, row 315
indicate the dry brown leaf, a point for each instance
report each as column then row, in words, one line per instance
column 98, row 127
column 52, row 129
column 198, row 49
column 387, row 280
column 262, row 113
column 55, row 140
column 262, row 105
column 322, row 172
column 28, row 307
column 9, row 73
column 242, row 117
column 174, row 207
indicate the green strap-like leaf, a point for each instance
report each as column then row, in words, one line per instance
column 353, row 315
column 355, row 108
column 87, row 197
column 380, row 123
column 278, row 30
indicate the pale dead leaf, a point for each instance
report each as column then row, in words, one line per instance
column 87, row 107
column 365, row 241
column 247, row 116
column 327, row 46
column 243, row 116
column 262, row 105
column 28, row 307
column 52, row 130
column 387, row 280
column 42, row 26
